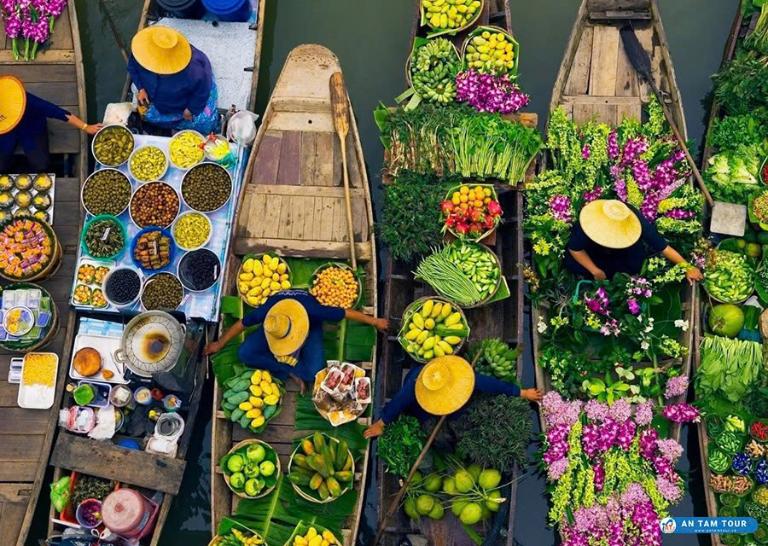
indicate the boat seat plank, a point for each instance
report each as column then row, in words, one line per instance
column 605, row 52
column 18, row 470
column 17, row 446
column 578, row 78
column 23, row 421
column 112, row 462
column 57, row 92
column 42, row 73
column 267, row 159
column 289, row 168
column 11, row 518
column 302, row 249
column 316, row 122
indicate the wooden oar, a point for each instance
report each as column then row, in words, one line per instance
column 396, row 503
column 340, row 105
column 639, row 59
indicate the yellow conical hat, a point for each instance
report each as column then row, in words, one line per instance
column 610, row 223
column 13, row 102
column 286, row 327
column 445, row 384
column 161, row 49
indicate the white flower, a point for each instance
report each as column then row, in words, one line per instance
column 541, row 326
column 682, row 324
column 645, row 345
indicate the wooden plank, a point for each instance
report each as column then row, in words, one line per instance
column 21, row 470
column 310, row 225
column 11, row 519
column 62, row 33
column 300, row 191
column 55, row 91
column 355, row 179
column 8, row 395
column 303, row 207
column 626, row 77
column 605, row 113
column 325, row 231
column 605, row 51
column 112, row 462
column 308, row 153
column 18, row 446
column 289, row 170
column 629, row 111
column 46, row 57
column 645, row 37
column 578, row 77
column 271, row 219
column 324, row 160
column 267, row 159
column 23, row 421
column 317, row 122
column 309, row 249
column 13, row 493
column 259, row 205
column 285, row 225
column 34, row 73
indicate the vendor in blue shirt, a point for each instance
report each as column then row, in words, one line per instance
column 442, row 387
column 290, row 341
column 174, row 81
column 611, row 237
column 24, row 121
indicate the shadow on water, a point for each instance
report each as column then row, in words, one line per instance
column 371, row 39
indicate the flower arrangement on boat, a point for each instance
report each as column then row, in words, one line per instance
column 30, row 20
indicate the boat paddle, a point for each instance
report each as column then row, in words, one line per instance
column 399, row 497
column 340, row 107
column 641, row 62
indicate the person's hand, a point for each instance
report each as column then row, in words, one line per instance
column 693, row 274
column 212, row 348
column 142, row 97
column 187, row 114
column 381, row 324
column 93, row 129
column 375, row 430
column 532, row 395
column 599, row 274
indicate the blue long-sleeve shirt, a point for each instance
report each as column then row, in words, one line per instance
column 405, row 399
column 36, row 114
column 172, row 93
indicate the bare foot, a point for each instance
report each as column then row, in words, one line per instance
column 297, row 379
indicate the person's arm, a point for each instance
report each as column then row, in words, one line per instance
column 380, row 324
column 584, row 260
column 404, row 398
column 692, row 272
column 51, row 111
column 491, row 385
column 215, row 346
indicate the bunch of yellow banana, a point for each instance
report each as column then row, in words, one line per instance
column 259, row 278
column 491, row 53
column 315, row 538
column 448, row 14
column 433, row 330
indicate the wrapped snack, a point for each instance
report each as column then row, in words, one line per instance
column 332, row 381
column 348, row 378
column 363, row 390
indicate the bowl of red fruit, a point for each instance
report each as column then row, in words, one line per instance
column 471, row 213
column 759, row 430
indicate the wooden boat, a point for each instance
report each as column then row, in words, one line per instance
column 26, row 436
column 597, row 81
column 158, row 477
column 504, row 320
column 292, row 203
column 739, row 30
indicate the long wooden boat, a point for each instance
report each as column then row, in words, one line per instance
column 503, row 320
column 157, row 476
column 739, row 30
column 292, row 204
column 597, row 82
column 26, row 435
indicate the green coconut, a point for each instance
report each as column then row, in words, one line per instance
column 410, row 508
column 432, row 483
column 489, row 478
column 726, row 319
column 471, row 514
column 464, row 481
column 437, row 511
column 449, row 486
column 424, row 504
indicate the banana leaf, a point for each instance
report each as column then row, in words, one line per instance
column 277, row 515
column 307, row 419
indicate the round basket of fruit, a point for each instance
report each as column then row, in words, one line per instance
column 471, row 212
column 449, row 16
column 337, row 285
column 432, row 327
column 312, row 535
column 321, row 468
column 237, row 535
column 491, row 50
column 252, row 399
column 260, row 276
column 251, row 469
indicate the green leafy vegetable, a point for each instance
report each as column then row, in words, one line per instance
column 732, row 132
column 494, row 432
column 729, row 368
column 742, row 86
column 401, row 443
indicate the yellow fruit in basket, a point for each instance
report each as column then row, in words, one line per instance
column 454, row 318
column 253, row 413
column 327, row 535
column 412, row 334
column 427, row 308
column 266, row 376
column 275, row 277
column 422, row 337
column 258, row 421
column 266, row 388
column 445, row 312
column 256, row 390
column 257, row 267
column 245, row 406
column 274, row 286
column 246, row 276
column 271, row 400
column 284, row 277
column 256, row 402
column 248, row 265
column 266, row 259
column 285, row 285
column 436, row 310
column 452, row 340
column 282, row 268
column 252, row 301
column 429, row 324
column 256, row 377
column 266, row 293
column 243, row 287
column 267, row 272
column 418, row 320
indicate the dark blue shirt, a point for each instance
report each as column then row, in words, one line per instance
column 172, row 93
column 317, row 312
column 612, row 260
column 36, row 114
column 405, row 399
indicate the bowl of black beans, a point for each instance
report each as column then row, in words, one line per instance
column 122, row 286
column 199, row 270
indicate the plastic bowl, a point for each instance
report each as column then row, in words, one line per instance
column 199, row 165
column 97, row 219
column 172, row 249
column 182, row 270
column 106, row 282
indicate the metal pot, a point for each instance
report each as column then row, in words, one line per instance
column 151, row 343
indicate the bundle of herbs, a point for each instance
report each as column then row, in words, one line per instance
column 494, row 432
column 742, row 86
column 411, row 219
column 401, row 443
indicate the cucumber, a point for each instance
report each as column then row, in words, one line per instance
column 237, row 414
column 239, row 398
column 245, row 421
column 228, row 406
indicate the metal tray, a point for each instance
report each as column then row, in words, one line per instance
column 106, row 347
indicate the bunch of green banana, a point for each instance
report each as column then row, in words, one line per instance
column 495, row 358
column 433, row 71
column 322, row 467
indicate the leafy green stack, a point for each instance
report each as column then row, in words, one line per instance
column 322, row 468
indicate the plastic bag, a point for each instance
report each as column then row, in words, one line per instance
column 60, row 494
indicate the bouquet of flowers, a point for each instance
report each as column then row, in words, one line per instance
column 30, row 20
column 613, row 477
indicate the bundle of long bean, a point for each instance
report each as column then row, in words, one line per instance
column 441, row 273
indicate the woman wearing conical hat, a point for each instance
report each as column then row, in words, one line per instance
column 611, row 237
column 443, row 386
column 24, row 122
column 174, row 81
column 290, row 340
